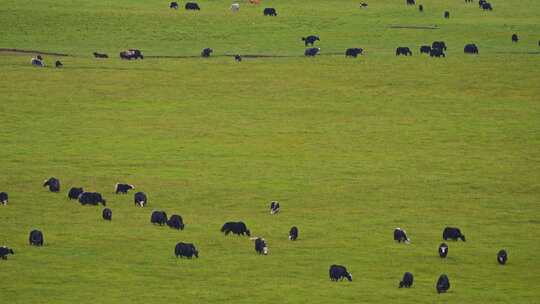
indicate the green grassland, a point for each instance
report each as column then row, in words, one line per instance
column 350, row 147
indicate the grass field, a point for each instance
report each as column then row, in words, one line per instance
column 352, row 148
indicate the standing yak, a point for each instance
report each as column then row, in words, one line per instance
column 3, row 198
column 176, row 222
column 75, row 192
column 53, row 184
column 293, row 233
column 123, row 188
column 192, row 6
column 401, row 236
column 35, row 238
column 338, row 272
column 502, row 256
column 158, row 217
column 353, row 52
column 274, row 207
column 407, row 280
column 260, row 246
column 4, row 251
column 310, row 40
column 107, row 214
column 238, row 228
column 453, row 233
column 443, row 250
column 443, row 284
column 140, row 199
column 91, row 198
column 186, row 250
column 403, row 51
column 270, row 11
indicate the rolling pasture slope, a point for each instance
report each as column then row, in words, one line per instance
column 351, row 148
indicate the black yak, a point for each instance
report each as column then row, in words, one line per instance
column 53, row 184
column 238, row 228
column 338, row 272
column 36, row 238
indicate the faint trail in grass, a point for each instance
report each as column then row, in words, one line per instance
column 32, row 52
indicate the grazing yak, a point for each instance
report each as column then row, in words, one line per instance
column 140, row 199
column 192, row 6
column 403, row 51
column 438, row 45
column 91, row 198
column 421, row 8
column 53, row 184
column 238, row 228
column 312, row 52
column 237, row 58
column 407, row 280
column 107, row 214
column 446, row 14
column 502, row 256
column 158, row 217
column 453, row 234
column 487, row 6
column 206, row 52
column 123, row 188
column 176, row 222
column 260, row 246
column 436, row 52
column 187, row 250
column 353, row 52
column 58, row 64
column 363, row 5
column 310, row 40
column 35, row 238
column 443, row 250
column 470, row 49
column 100, row 55
column 173, row 5
column 443, row 284
column 274, row 207
column 425, row 49
column 235, row 7
column 270, row 11
column 4, row 251
column 401, row 236
column 338, row 272
column 74, row 193
column 3, row 198
column 293, row 233
column 131, row 54
column 515, row 38
column 38, row 62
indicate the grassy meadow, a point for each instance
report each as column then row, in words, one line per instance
column 352, row 148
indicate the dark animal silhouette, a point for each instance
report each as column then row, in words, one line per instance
column 140, row 199
column 158, row 217
column 260, row 246
column 403, row 51
column 312, row 52
column 192, row 6
column 173, row 5
column 58, row 64
column 436, row 53
column 4, row 198
column 4, row 251
column 453, row 233
column 176, row 222
column 515, row 38
column 107, row 214
column 131, row 54
column 123, row 188
column 270, row 11
column 353, row 52
column 443, row 284
column 187, row 250
column 338, row 272
column 443, row 250
column 36, row 238
column 470, row 49
column 293, row 233
column 238, row 228
column 206, row 52
column 74, row 193
column 310, row 40
column 407, row 280
column 91, row 198
column 502, row 256
column 53, row 184
column 425, row 49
